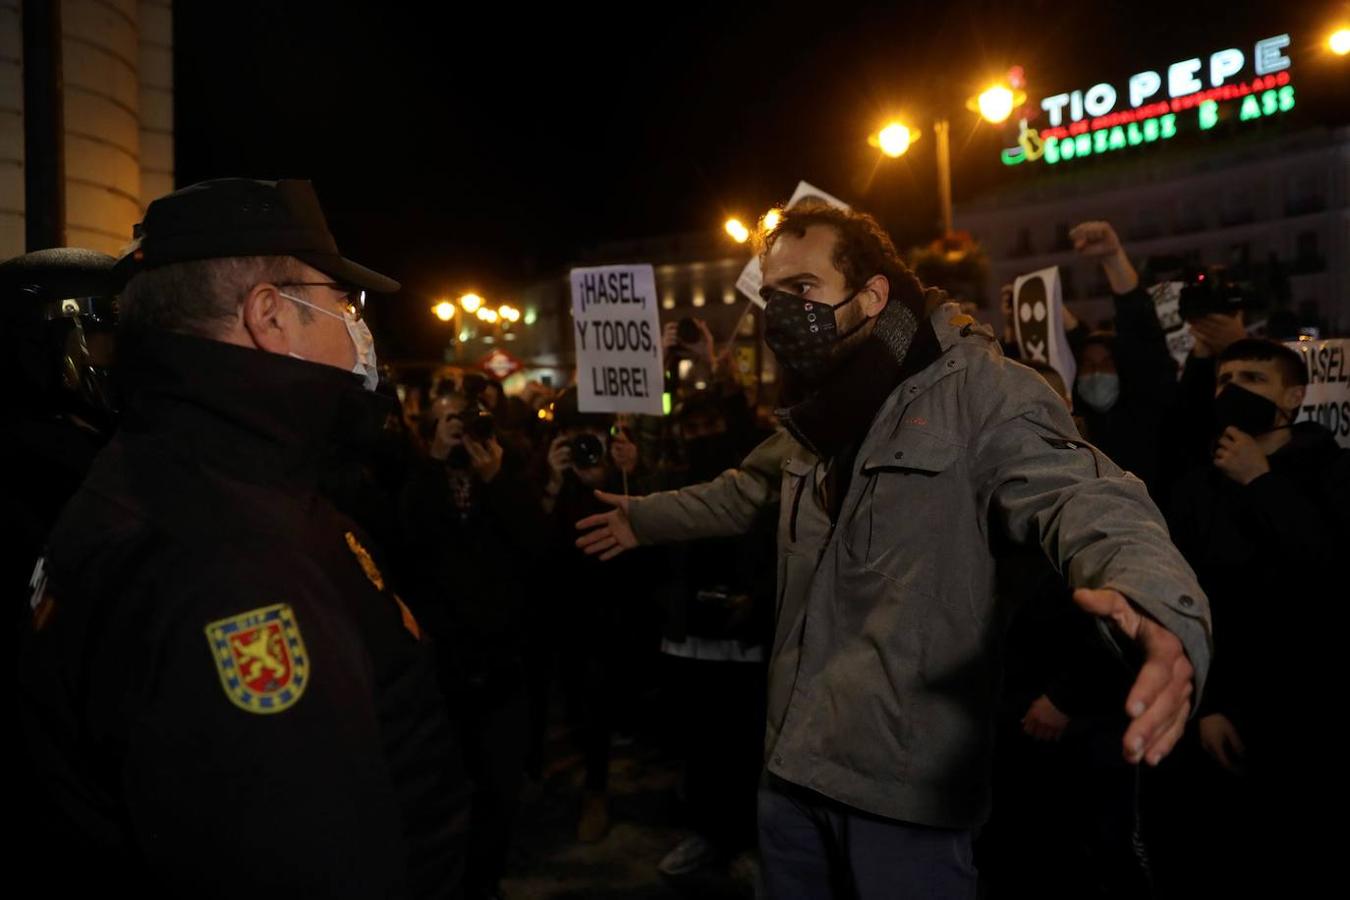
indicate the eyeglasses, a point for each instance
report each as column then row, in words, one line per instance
column 354, row 299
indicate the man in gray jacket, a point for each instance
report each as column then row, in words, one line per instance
column 917, row 455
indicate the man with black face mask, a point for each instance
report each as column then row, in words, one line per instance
column 1266, row 525
column 916, row 452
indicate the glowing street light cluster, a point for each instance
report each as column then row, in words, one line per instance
column 476, row 306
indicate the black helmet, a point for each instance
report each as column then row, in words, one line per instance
column 58, row 309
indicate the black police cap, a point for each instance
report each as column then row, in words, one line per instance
column 244, row 217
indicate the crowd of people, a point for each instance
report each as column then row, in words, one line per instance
column 277, row 617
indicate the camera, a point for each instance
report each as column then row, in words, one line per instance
column 1209, row 292
column 587, row 451
column 479, row 426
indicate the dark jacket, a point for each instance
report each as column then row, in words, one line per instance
column 1130, row 432
column 471, row 568
column 217, row 671
column 720, row 588
column 1270, row 555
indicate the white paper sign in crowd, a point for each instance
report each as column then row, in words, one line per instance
column 617, row 330
column 1167, row 303
column 1327, row 400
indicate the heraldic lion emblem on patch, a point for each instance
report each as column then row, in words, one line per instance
column 261, row 658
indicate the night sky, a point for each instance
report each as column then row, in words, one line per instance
column 475, row 145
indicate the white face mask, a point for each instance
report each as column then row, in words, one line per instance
column 362, row 340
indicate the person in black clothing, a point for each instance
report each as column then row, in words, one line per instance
column 1214, row 332
column 223, row 694
column 1266, row 525
column 1059, row 780
column 1126, row 380
column 718, row 596
column 597, row 608
column 473, row 531
column 57, row 314
column 58, row 309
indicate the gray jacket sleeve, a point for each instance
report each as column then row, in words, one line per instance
column 1095, row 523
column 723, row 507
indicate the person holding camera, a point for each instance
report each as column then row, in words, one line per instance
column 690, row 339
column 472, row 528
column 1213, row 306
column 592, row 632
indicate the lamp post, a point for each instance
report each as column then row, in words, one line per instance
column 994, row 105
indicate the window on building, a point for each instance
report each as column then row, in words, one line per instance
column 1306, row 194
column 1190, row 216
column 1238, row 208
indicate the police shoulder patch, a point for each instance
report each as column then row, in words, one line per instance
column 261, row 658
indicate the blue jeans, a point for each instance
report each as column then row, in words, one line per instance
column 814, row 848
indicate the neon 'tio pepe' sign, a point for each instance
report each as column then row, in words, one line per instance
column 1156, row 105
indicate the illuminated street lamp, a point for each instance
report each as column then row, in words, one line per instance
column 995, row 104
column 487, row 315
column 1339, row 42
column 739, row 233
column 470, row 303
column 445, row 310
column 894, row 139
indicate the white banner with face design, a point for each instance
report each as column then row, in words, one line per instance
column 1038, row 319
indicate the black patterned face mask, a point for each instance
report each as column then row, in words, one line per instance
column 804, row 334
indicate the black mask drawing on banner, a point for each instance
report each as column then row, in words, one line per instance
column 1033, row 319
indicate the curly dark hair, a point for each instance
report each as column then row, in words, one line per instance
column 863, row 248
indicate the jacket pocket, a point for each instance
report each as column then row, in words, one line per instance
column 909, row 487
column 915, row 451
column 797, row 484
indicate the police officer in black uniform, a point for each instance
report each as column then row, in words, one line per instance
column 58, row 308
column 224, row 693
column 57, row 313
